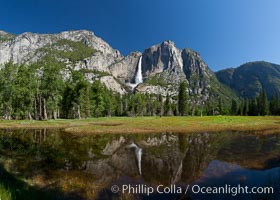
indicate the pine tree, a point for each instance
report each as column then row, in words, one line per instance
column 67, row 101
column 7, row 88
column 234, row 107
column 182, row 99
column 159, row 105
column 167, row 106
column 51, row 86
column 98, row 104
column 241, row 107
column 220, row 105
column 25, row 87
column 246, row 107
column 253, row 107
column 263, row 103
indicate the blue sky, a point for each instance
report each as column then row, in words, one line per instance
column 226, row 33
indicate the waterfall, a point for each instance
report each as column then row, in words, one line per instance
column 138, row 77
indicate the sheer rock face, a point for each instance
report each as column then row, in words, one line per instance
column 23, row 47
column 162, row 63
column 164, row 66
column 125, row 69
column 159, row 58
column 194, row 65
column 111, row 83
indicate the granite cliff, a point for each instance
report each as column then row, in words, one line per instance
column 163, row 66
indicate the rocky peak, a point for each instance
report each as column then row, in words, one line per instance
column 25, row 45
column 89, row 39
column 167, row 43
column 170, row 54
column 3, row 33
column 5, row 36
column 193, row 65
column 163, row 66
column 164, row 56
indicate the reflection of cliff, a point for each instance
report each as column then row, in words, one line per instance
column 252, row 151
column 167, row 159
column 104, row 159
column 160, row 160
column 197, row 157
column 108, row 169
column 175, row 158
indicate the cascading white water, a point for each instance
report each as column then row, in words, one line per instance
column 138, row 77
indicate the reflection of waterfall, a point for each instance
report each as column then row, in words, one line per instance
column 138, row 77
column 138, row 154
column 176, row 178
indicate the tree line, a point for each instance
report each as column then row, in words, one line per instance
column 257, row 106
column 40, row 92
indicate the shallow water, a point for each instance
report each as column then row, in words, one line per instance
column 88, row 167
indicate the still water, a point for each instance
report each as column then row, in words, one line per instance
column 152, row 166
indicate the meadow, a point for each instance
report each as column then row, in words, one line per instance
column 12, row 187
column 154, row 124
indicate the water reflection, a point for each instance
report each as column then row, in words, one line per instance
column 138, row 155
column 87, row 166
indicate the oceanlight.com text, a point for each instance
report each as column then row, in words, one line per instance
column 194, row 189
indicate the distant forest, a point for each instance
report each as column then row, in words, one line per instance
column 40, row 92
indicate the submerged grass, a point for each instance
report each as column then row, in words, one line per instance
column 12, row 188
column 5, row 193
column 155, row 124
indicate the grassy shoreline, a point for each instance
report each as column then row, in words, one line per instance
column 154, row 124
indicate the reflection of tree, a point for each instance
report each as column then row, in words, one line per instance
column 167, row 158
column 38, row 150
column 197, row 157
column 252, row 151
column 52, row 156
column 182, row 140
column 14, row 188
column 181, row 159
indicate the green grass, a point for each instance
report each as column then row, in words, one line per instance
column 154, row 124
